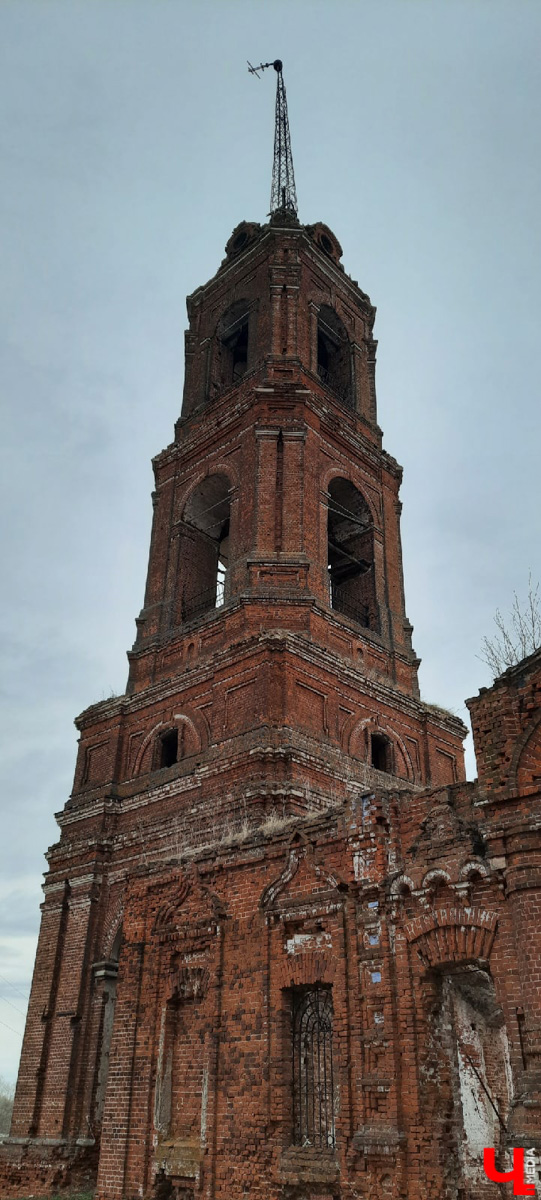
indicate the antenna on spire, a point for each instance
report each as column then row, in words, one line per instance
column 283, row 191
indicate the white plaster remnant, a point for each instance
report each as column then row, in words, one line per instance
column 532, row 1166
column 300, row 942
column 162, row 1097
column 477, row 1115
column 485, row 1079
column 204, row 1103
column 363, row 863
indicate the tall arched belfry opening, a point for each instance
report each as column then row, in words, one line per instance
column 286, row 951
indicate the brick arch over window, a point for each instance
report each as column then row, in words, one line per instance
column 439, row 890
column 204, row 527
column 112, row 931
column 401, row 886
column 452, row 935
column 379, row 746
column 350, row 554
column 191, row 736
column 472, row 870
column 370, row 497
column 435, row 878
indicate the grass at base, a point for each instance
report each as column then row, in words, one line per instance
column 67, row 1195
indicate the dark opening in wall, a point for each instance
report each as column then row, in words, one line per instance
column 468, row 1025
column 352, row 587
column 334, row 355
column 380, row 752
column 239, row 351
column 168, row 748
column 322, row 355
column 231, row 346
column 205, row 549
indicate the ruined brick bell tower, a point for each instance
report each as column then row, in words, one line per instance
column 214, row 993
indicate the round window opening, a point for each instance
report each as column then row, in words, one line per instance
column 326, row 243
column 240, row 239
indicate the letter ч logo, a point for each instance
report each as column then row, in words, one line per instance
column 520, row 1187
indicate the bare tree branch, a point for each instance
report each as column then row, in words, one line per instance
column 517, row 635
column 7, row 1092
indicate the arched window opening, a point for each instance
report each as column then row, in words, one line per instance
column 232, row 346
column 352, row 589
column 168, row 748
column 334, row 354
column 313, row 1084
column 204, row 561
column 381, row 752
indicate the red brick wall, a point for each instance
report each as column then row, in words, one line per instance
column 506, row 721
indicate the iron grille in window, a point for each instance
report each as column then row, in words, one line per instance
column 343, row 391
column 313, row 1090
column 358, row 612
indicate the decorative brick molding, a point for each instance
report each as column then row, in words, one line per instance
column 190, row 722
column 190, row 920
column 189, row 983
column 297, row 855
column 166, row 921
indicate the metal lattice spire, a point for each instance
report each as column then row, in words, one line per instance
column 283, row 191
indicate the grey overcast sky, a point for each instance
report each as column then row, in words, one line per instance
column 132, row 141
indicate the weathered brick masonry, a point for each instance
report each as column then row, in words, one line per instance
column 286, row 951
